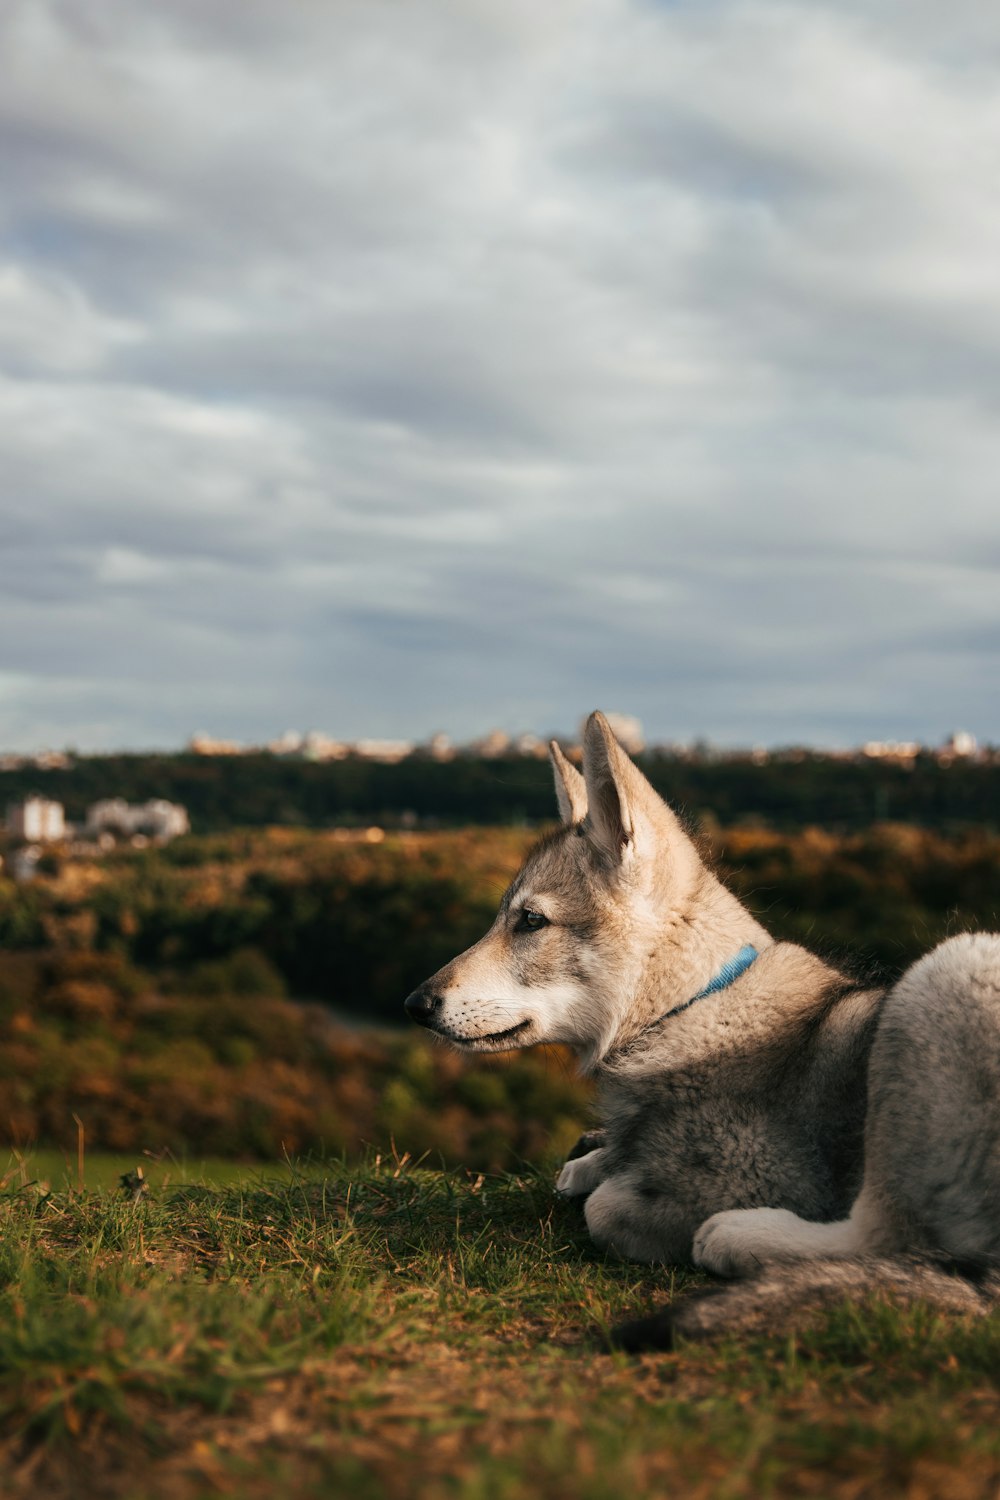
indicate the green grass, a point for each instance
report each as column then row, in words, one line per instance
column 388, row 1331
column 58, row 1171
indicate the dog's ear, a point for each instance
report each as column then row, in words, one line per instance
column 617, row 791
column 571, row 789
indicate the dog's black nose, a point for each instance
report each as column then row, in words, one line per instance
column 422, row 1005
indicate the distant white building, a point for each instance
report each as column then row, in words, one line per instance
column 207, row 744
column 440, row 747
column 156, row 819
column 896, row 750
column 319, row 746
column 289, row 743
column 961, row 744
column 389, row 752
column 492, row 745
column 36, row 820
column 531, row 745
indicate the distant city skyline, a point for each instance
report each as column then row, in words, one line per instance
column 318, row 745
column 400, row 369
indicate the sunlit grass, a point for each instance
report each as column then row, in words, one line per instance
column 387, row 1330
column 59, row 1171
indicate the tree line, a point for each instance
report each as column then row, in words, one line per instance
column 256, row 790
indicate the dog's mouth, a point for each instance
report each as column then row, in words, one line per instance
column 493, row 1041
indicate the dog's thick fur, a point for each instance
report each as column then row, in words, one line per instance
column 820, row 1137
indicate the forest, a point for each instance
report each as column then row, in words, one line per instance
column 788, row 790
column 241, row 994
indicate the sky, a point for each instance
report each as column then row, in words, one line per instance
column 406, row 366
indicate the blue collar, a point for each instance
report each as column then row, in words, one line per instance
column 727, row 975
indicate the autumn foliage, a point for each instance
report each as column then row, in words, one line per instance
column 241, row 995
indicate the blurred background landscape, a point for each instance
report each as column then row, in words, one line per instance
column 236, row 991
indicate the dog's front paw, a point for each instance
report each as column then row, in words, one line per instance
column 742, row 1240
column 581, row 1176
column 717, row 1246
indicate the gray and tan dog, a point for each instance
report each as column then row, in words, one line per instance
column 763, row 1116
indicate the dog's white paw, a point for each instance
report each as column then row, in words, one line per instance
column 582, row 1175
column 740, row 1241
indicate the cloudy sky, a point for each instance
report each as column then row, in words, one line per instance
column 412, row 365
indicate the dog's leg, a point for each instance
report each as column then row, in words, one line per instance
column 634, row 1224
column 581, row 1175
column 741, row 1240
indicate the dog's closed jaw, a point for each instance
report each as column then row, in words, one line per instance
column 481, row 1009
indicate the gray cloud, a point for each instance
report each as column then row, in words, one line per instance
column 392, row 368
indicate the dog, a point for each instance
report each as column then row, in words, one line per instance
column 763, row 1116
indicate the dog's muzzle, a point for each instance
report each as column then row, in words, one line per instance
column 422, row 1006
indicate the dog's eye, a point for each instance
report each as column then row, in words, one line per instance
column 531, row 921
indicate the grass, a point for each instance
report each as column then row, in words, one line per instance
column 102, row 1171
column 386, row 1331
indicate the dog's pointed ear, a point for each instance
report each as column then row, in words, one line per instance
column 571, row 789
column 617, row 791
